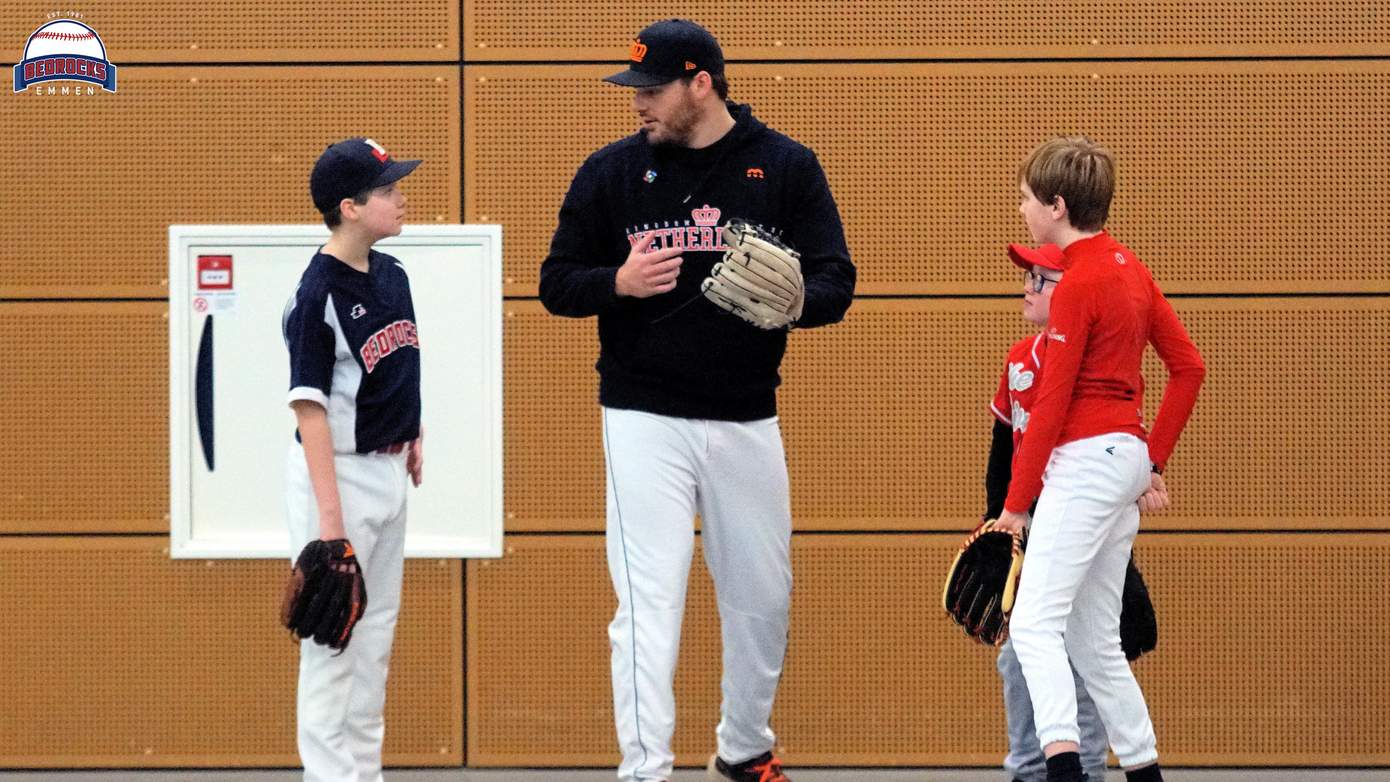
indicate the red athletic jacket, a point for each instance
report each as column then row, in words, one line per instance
column 1103, row 313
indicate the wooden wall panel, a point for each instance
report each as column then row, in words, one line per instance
column 256, row 30
column 794, row 29
column 886, row 418
column 1221, row 163
column 118, row 656
column 85, row 417
column 875, row 674
column 901, row 452
column 199, row 145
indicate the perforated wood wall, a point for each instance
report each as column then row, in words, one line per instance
column 1220, row 163
column 876, row 675
column 790, row 29
column 143, row 31
column 886, row 416
column 84, row 417
column 1271, row 416
column 1252, row 160
column 118, row 656
column 199, row 145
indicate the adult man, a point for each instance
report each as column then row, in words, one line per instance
column 687, row 388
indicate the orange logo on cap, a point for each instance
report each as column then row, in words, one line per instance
column 689, row 66
column 755, row 173
column 639, row 50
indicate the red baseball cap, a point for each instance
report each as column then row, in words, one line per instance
column 1048, row 256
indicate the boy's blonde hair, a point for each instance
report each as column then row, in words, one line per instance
column 1079, row 170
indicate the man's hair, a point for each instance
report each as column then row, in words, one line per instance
column 334, row 217
column 1079, row 170
column 719, row 81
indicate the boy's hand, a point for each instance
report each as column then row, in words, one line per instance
column 415, row 459
column 1156, row 498
column 1012, row 523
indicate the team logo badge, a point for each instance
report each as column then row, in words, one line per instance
column 1020, row 379
column 65, row 50
column 378, row 151
column 1019, row 417
column 386, row 341
column 650, row 176
column 706, row 215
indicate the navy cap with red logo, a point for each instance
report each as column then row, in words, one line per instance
column 669, row 50
column 351, row 167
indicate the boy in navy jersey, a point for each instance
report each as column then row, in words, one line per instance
column 355, row 392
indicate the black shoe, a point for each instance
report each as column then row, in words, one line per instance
column 764, row 768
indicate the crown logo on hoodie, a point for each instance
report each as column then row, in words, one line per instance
column 705, row 215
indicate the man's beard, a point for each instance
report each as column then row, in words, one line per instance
column 678, row 130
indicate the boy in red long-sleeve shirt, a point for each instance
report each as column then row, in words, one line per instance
column 1086, row 432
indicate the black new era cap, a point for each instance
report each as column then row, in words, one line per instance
column 668, row 50
column 351, row 167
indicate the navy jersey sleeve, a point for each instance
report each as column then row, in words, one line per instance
column 820, row 237
column 998, row 469
column 576, row 281
column 311, row 345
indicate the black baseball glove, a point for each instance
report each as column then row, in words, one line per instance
column 982, row 581
column 1138, row 625
column 325, row 596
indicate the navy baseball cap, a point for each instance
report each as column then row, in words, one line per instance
column 669, row 50
column 351, row 167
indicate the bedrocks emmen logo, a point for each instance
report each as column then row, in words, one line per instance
column 65, row 50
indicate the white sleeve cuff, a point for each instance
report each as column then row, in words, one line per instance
column 1002, row 418
column 310, row 393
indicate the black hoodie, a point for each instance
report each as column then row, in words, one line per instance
column 676, row 353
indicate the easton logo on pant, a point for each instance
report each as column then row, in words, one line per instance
column 386, row 341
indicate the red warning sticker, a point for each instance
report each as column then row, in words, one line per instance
column 214, row 272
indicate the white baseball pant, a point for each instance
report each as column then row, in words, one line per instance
column 661, row 472
column 1070, row 592
column 342, row 696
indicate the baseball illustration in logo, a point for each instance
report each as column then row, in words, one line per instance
column 65, row 50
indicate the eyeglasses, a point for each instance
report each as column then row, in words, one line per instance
column 1037, row 281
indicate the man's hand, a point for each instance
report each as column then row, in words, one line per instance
column 645, row 273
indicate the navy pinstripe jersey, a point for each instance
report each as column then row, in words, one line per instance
column 354, row 349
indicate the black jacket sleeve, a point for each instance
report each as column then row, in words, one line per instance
column 816, row 232
column 999, row 470
column 576, row 280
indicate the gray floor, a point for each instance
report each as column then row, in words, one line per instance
column 799, row 775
